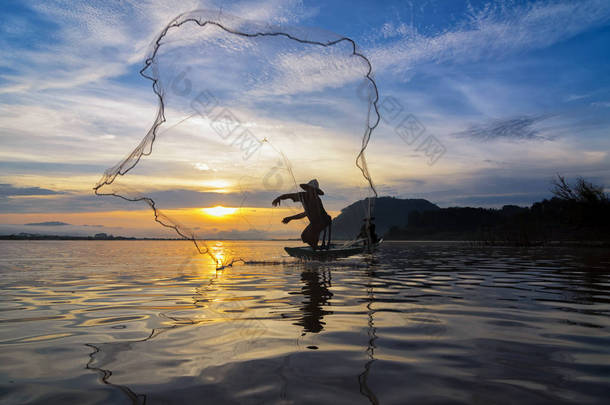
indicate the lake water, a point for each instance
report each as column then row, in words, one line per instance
column 152, row 322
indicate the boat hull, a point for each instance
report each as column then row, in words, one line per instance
column 306, row 252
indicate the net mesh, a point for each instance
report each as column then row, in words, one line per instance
column 248, row 111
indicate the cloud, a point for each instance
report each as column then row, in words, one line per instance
column 517, row 128
column 601, row 104
column 274, row 11
column 575, row 97
column 7, row 190
column 64, row 203
column 86, row 44
column 48, row 223
column 72, row 128
column 392, row 30
column 491, row 32
column 23, row 167
column 313, row 70
column 237, row 234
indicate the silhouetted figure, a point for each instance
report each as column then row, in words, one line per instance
column 319, row 220
column 367, row 232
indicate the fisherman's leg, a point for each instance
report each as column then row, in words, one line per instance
column 311, row 236
column 323, row 239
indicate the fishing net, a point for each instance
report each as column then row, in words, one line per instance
column 249, row 111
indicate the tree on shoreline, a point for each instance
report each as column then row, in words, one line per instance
column 582, row 191
column 575, row 212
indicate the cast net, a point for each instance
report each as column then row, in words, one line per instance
column 248, row 111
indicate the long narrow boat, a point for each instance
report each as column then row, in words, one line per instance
column 334, row 252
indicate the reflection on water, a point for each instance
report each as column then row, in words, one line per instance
column 372, row 335
column 150, row 322
column 316, row 293
column 106, row 374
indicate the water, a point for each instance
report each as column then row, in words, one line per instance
column 150, row 322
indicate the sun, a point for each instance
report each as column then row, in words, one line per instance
column 219, row 211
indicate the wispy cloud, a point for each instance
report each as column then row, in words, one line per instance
column 47, row 223
column 492, row 31
column 392, row 30
column 310, row 71
column 91, row 43
column 274, row 11
column 516, row 128
column 8, row 190
column 602, row 104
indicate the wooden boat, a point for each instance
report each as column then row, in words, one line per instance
column 334, row 252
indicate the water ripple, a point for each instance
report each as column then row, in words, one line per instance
column 421, row 322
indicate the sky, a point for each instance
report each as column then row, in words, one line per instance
column 481, row 104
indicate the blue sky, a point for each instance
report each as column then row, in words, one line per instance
column 514, row 91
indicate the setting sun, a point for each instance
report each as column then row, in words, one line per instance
column 219, row 211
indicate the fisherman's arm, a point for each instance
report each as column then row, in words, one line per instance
column 297, row 216
column 292, row 196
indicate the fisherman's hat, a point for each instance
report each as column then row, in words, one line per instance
column 313, row 184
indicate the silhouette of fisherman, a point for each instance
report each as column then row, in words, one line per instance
column 314, row 211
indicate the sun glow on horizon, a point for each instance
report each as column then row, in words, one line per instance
column 219, row 211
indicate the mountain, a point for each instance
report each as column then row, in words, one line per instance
column 388, row 212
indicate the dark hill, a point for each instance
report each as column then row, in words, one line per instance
column 546, row 221
column 388, row 212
